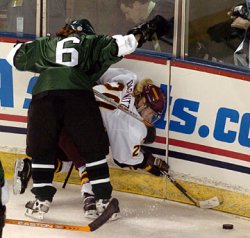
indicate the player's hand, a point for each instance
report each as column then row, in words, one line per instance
column 240, row 10
column 241, row 23
column 145, row 31
column 154, row 165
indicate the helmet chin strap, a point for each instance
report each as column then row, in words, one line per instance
column 138, row 99
column 141, row 108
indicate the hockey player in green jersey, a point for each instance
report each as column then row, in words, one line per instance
column 69, row 65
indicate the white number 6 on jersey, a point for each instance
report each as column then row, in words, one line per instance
column 60, row 51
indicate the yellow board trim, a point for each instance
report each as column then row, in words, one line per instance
column 152, row 186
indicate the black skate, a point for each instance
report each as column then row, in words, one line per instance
column 36, row 209
column 22, row 175
column 89, row 206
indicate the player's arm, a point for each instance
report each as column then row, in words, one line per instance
column 138, row 35
column 145, row 31
column 119, row 75
column 150, row 164
column 23, row 56
column 151, row 135
column 12, row 53
column 153, row 165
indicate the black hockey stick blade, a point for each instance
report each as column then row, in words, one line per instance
column 112, row 208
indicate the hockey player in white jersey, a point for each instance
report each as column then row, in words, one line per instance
column 125, row 133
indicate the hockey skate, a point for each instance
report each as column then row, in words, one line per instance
column 102, row 204
column 22, row 175
column 89, row 206
column 36, row 209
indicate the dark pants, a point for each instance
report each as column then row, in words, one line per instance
column 2, row 207
column 77, row 112
column 2, row 218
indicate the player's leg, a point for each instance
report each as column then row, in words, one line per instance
column 89, row 206
column 4, row 197
column 90, row 138
column 42, row 139
column 67, row 146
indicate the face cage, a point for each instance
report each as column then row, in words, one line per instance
column 156, row 117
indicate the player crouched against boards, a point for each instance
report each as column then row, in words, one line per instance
column 125, row 133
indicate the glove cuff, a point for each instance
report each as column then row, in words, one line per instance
column 126, row 44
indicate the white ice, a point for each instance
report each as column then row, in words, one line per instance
column 142, row 217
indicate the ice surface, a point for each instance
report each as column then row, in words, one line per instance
column 142, row 217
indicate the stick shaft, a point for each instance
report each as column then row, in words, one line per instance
column 121, row 107
column 68, row 175
column 112, row 208
column 183, row 190
column 48, row 225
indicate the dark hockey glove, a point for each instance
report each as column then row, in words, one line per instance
column 151, row 164
column 158, row 25
column 240, row 10
column 154, row 165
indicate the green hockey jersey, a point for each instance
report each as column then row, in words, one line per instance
column 74, row 62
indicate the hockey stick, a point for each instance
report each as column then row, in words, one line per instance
column 121, row 107
column 68, row 175
column 209, row 203
column 47, row 225
column 94, row 225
